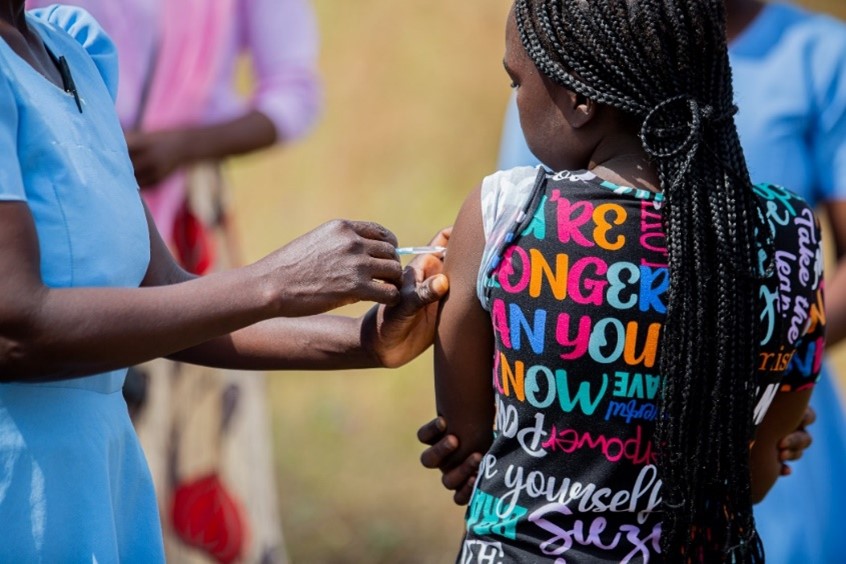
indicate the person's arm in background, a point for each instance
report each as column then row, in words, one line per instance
column 282, row 41
column 464, row 343
column 835, row 291
column 157, row 154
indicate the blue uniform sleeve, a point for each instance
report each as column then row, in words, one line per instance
column 82, row 26
column 827, row 69
column 11, row 178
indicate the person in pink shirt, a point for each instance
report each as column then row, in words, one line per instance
column 205, row 432
column 177, row 99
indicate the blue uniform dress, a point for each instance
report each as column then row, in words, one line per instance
column 74, row 485
column 790, row 84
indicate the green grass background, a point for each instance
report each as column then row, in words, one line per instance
column 415, row 94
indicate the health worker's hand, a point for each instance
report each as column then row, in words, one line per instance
column 339, row 263
column 394, row 335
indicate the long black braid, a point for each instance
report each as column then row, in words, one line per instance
column 666, row 63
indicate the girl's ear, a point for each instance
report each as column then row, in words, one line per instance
column 577, row 109
column 580, row 109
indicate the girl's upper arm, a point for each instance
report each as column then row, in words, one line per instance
column 464, row 340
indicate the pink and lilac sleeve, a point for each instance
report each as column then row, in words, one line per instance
column 281, row 37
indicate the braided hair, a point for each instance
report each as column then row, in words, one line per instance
column 665, row 63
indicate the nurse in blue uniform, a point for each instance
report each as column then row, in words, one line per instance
column 88, row 287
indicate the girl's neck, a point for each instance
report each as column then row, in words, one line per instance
column 739, row 14
column 625, row 163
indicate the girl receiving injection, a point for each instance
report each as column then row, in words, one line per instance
column 641, row 325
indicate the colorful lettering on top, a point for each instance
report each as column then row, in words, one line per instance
column 577, row 305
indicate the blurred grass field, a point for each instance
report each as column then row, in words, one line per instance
column 415, row 94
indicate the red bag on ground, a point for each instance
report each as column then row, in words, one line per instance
column 207, row 517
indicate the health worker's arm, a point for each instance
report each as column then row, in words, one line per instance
column 385, row 336
column 55, row 333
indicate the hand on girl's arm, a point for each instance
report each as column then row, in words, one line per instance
column 459, row 479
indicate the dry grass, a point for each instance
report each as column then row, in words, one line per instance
column 415, row 95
